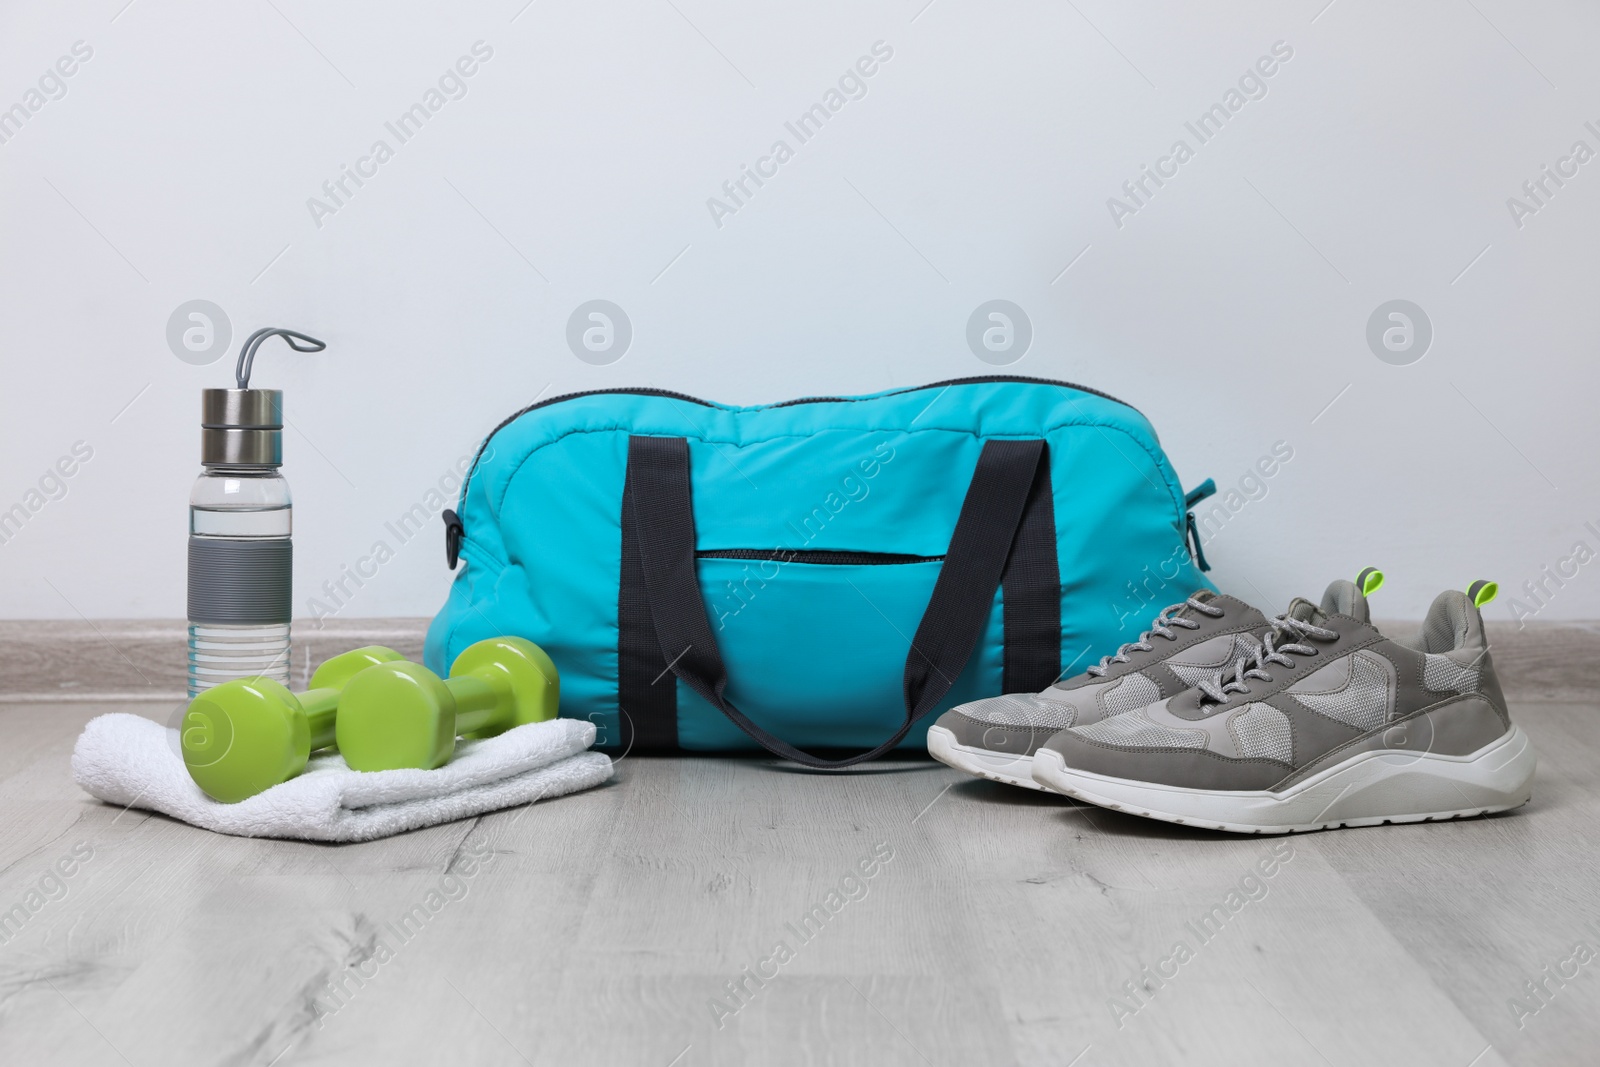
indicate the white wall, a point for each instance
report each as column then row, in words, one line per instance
column 1231, row 307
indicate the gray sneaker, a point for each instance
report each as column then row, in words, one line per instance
column 1330, row 724
column 1187, row 642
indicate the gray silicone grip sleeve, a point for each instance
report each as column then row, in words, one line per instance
column 240, row 583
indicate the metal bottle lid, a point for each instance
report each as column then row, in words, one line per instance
column 241, row 427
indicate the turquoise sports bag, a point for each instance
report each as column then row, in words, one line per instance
column 818, row 574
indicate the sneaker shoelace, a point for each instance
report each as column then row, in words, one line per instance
column 1218, row 688
column 1160, row 627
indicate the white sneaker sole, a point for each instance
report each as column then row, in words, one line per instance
column 1004, row 767
column 1369, row 789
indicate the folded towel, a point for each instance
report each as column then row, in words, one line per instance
column 132, row 761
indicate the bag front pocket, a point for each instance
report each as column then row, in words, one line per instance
column 821, row 638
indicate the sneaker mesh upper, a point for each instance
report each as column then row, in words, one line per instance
column 1022, row 709
column 1262, row 731
column 1134, row 691
column 1444, row 675
column 1361, row 702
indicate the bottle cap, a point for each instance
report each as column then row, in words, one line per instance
column 241, row 427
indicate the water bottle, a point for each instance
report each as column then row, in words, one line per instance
column 240, row 521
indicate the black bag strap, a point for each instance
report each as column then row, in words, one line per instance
column 1030, row 595
column 658, row 521
column 646, row 693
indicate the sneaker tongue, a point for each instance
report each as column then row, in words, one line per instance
column 1304, row 610
column 1345, row 598
column 1201, row 596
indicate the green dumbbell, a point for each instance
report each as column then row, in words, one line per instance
column 403, row 715
column 245, row 736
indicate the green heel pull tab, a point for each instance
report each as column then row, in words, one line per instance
column 1482, row 591
column 1370, row 581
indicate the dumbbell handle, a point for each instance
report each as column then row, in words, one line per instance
column 481, row 703
column 321, row 708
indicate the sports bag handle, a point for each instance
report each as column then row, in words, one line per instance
column 659, row 539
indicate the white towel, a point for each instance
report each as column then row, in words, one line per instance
column 132, row 761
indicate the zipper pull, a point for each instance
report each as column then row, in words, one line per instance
column 1193, row 497
column 1196, row 551
column 453, row 529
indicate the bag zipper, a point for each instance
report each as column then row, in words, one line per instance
column 670, row 395
column 981, row 379
column 820, row 557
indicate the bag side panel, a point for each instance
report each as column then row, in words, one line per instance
column 1122, row 549
column 562, row 534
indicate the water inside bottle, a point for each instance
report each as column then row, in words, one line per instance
column 220, row 653
column 241, row 522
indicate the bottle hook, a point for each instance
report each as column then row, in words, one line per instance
column 247, row 352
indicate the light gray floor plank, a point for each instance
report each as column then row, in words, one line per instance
column 607, row 925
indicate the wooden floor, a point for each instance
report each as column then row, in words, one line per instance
column 607, row 927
